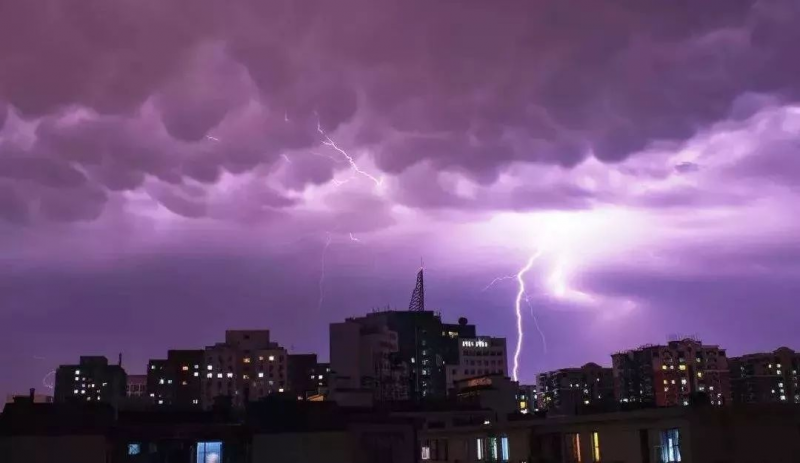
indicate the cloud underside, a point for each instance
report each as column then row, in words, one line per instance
column 170, row 98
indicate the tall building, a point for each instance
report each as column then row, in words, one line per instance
column 479, row 356
column 91, row 380
column 766, row 377
column 672, row 374
column 306, row 376
column 246, row 367
column 569, row 391
column 398, row 354
column 175, row 381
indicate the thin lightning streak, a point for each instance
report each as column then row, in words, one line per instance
column 284, row 156
column 322, row 272
column 353, row 165
column 212, row 138
column 520, row 294
column 498, row 280
column 536, row 323
column 354, row 239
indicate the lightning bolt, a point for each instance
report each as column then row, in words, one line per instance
column 286, row 157
column 498, row 280
column 354, row 239
column 328, row 142
column 51, row 383
column 322, row 272
column 518, row 310
column 209, row 137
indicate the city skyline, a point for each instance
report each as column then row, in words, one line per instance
column 168, row 172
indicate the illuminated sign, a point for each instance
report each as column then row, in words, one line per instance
column 474, row 343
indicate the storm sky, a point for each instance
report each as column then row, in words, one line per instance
column 170, row 169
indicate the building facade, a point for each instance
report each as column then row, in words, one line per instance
column 575, row 390
column 91, row 380
column 175, row 381
column 306, row 376
column 766, row 377
column 479, row 356
column 244, row 368
column 400, row 354
column 136, row 386
column 672, row 374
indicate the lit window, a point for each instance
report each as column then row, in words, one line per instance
column 245, row 377
column 573, row 445
column 665, row 381
column 196, row 374
column 710, row 388
column 319, row 377
column 260, row 358
column 197, row 367
column 161, row 381
column 673, row 381
column 210, row 367
column 260, row 374
column 246, row 360
column 280, row 390
column 504, row 454
column 683, row 381
column 699, row 374
column 670, row 446
column 169, row 381
column 75, row 391
column 229, row 375
column 783, row 397
column 778, row 365
column 595, row 446
column 152, row 394
column 195, row 401
column 152, row 367
column 271, row 358
column 183, row 383
column 426, row 453
column 681, row 367
column 312, row 376
column 134, row 449
column 209, row 452
column 219, row 375
column 663, row 367
column 77, row 372
column 160, row 402
column 778, row 372
column 209, row 375
column 185, row 368
column 271, row 382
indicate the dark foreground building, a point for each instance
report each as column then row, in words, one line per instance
column 274, row 431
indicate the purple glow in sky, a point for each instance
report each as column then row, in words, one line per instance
column 173, row 168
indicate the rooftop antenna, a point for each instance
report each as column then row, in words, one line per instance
column 418, row 296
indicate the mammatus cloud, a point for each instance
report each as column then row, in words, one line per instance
column 118, row 95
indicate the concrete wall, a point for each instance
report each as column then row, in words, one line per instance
column 53, row 449
column 328, row 447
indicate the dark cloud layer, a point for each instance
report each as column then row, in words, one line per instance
column 467, row 86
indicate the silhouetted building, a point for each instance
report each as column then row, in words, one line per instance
column 136, row 386
column 576, row 390
column 176, row 380
column 91, row 380
column 400, row 354
column 246, row 367
column 672, row 374
column 306, row 376
column 766, row 377
column 527, row 399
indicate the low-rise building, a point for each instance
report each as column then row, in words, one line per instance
column 569, row 391
column 766, row 377
column 91, row 380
